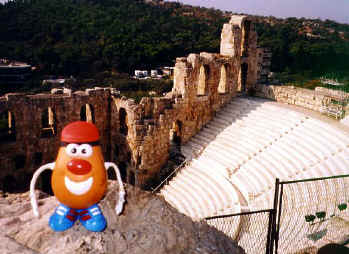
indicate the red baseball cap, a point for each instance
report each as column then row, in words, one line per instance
column 80, row 132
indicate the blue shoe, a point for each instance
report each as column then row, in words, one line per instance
column 92, row 219
column 63, row 218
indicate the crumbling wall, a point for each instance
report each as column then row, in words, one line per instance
column 239, row 40
column 19, row 158
column 315, row 100
column 135, row 136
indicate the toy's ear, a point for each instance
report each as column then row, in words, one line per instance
column 122, row 193
column 37, row 173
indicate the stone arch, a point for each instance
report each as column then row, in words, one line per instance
column 37, row 158
column 243, row 77
column 123, row 121
column 19, row 161
column 203, row 80
column 7, row 127
column 87, row 113
column 123, row 170
column 9, row 184
column 176, row 132
column 246, row 27
column 48, row 123
column 222, row 86
column 45, row 182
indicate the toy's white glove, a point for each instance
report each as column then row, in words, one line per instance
column 120, row 205
column 37, row 173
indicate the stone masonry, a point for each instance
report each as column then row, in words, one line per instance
column 135, row 136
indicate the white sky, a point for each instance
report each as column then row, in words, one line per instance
column 337, row 10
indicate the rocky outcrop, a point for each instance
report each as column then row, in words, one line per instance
column 148, row 225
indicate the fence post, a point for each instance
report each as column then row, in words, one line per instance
column 272, row 230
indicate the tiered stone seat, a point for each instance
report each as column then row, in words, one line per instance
column 243, row 150
column 202, row 191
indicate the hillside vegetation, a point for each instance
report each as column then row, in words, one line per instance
column 85, row 38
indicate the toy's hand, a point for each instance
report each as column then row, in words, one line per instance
column 119, row 207
column 33, row 201
column 122, row 193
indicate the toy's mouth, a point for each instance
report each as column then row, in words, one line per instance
column 78, row 188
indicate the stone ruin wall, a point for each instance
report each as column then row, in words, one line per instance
column 30, row 149
column 310, row 99
column 135, row 136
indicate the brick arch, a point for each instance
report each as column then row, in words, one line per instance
column 243, row 77
column 87, row 113
column 123, row 121
column 48, row 123
column 176, row 132
column 204, row 73
column 223, row 80
column 7, row 126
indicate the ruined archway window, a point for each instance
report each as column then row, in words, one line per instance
column 245, row 38
column 9, row 184
column 48, row 123
column 176, row 133
column 19, row 161
column 222, row 87
column 116, row 152
column 123, row 171
column 45, row 183
column 37, row 158
column 87, row 113
column 203, row 77
column 244, row 70
column 123, row 121
column 7, row 127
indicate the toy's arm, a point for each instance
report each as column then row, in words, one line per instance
column 33, row 201
column 122, row 193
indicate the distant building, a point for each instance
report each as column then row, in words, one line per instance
column 12, row 72
column 154, row 73
column 141, row 74
column 168, row 71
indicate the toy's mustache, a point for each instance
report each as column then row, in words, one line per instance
column 78, row 188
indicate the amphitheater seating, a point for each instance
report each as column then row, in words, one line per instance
column 239, row 154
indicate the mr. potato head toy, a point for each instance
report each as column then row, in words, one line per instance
column 79, row 180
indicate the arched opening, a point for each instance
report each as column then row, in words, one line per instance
column 116, row 152
column 244, row 70
column 87, row 113
column 222, row 86
column 19, row 161
column 9, row 184
column 37, row 158
column 7, row 127
column 203, row 78
column 176, row 132
column 123, row 171
column 245, row 38
column 48, row 123
column 123, row 121
column 176, row 140
column 45, row 185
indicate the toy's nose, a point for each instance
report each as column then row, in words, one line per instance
column 79, row 167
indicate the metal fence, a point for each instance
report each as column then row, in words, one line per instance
column 251, row 230
column 312, row 213
column 307, row 214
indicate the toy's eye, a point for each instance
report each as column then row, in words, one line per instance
column 85, row 150
column 72, row 149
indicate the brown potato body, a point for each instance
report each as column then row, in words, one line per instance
column 98, row 172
